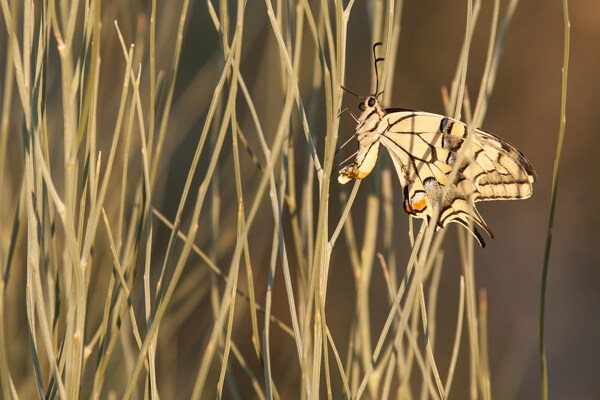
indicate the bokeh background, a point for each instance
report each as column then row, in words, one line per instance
column 524, row 109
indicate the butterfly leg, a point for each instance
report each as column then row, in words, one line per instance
column 342, row 162
column 349, row 111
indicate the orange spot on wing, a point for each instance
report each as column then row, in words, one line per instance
column 420, row 205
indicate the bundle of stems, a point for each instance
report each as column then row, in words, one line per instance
column 109, row 258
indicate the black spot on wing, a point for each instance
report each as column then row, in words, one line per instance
column 451, row 143
column 451, row 158
column 446, row 125
column 433, row 157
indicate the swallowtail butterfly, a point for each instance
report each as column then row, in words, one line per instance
column 424, row 148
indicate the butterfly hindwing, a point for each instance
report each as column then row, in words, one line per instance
column 422, row 163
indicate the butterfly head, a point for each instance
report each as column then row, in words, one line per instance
column 371, row 115
column 369, row 103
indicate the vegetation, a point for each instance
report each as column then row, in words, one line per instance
column 158, row 215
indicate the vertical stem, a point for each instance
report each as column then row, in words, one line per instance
column 561, row 136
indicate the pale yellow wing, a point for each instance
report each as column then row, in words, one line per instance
column 424, row 148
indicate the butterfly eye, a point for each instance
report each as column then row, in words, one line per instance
column 362, row 106
column 371, row 101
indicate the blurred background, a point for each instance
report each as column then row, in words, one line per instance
column 524, row 109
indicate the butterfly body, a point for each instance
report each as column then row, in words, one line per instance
column 424, row 149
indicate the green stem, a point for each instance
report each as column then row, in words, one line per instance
column 561, row 135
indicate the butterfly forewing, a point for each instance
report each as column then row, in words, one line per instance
column 424, row 149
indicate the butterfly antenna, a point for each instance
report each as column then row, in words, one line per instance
column 352, row 93
column 377, row 59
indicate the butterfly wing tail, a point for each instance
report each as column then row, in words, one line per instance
column 472, row 227
column 459, row 209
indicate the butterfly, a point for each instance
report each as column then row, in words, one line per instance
column 424, row 149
